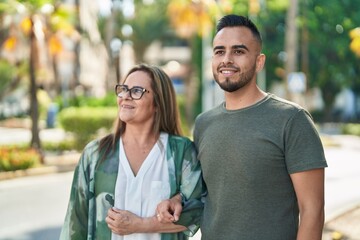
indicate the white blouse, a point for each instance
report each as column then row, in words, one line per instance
column 141, row 194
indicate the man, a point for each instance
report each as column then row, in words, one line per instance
column 262, row 158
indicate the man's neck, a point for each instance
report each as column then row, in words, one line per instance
column 243, row 98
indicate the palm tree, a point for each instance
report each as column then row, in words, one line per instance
column 38, row 27
column 193, row 21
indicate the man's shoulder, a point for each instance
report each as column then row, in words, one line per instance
column 282, row 103
column 209, row 114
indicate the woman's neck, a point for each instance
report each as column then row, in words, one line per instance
column 139, row 137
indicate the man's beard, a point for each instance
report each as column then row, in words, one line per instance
column 231, row 86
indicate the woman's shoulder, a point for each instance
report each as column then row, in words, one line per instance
column 90, row 151
column 92, row 145
column 179, row 139
column 180, row 142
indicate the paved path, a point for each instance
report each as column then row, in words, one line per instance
column 33, row 208
column 21, row 135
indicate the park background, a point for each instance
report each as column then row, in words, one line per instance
column 60, row 60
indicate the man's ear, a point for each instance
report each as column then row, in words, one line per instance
column 260, row 62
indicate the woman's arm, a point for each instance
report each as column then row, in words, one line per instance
column 76, row 221
column 123, row 222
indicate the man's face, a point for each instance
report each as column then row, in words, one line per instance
column 235, row 54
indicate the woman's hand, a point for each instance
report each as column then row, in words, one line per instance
column 169, row 210
column 123, row 222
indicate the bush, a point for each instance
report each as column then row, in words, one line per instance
column 61, row 146
column 85, row 122
column 15, row 158
column 184, row 124
column 85, row 101
column 351, row 129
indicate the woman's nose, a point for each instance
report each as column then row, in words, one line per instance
column 126, row 95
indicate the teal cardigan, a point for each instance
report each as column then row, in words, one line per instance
column 94, row 181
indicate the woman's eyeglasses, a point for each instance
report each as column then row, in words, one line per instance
column 135, row 92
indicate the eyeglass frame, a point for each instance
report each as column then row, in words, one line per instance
column 144, row 90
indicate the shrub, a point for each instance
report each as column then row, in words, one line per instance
column 85, row 122
column 351, row 129
column 61, row 146
column 15, row 158
column 182, row 111
column 85, row 101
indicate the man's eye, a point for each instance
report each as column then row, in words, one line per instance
column 218, row 52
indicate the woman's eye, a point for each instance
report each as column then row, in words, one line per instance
column 137, row 90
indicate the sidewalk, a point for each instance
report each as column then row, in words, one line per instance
column 344, row 224
column 344, row 227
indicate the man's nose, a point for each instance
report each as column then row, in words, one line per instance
column 228, row 58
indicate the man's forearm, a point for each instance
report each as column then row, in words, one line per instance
column 311, row 225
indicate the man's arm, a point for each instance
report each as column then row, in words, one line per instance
column 309, row 188
column 169, row 210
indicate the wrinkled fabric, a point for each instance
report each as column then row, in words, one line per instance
column 93, row 185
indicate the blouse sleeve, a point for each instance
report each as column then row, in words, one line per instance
column 76, row 220
column 191, row 189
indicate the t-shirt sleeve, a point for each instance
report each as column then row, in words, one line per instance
column 303, row 147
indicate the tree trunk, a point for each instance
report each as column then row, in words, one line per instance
column 34, row 105
column 77, row 48
column 291, row 43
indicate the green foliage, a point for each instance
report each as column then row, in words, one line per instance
column 85, row 122
column 149, row 24
column 15, row 158
column 35, row 5
column 182, row 109
column 7, row 74
column 324, row 52
column 85, row 101
column 351, row 129
column 60, row 147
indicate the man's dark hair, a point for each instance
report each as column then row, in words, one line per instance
column 233, row 20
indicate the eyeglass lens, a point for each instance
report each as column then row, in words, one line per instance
column 135, row 92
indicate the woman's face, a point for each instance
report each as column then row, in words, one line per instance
column 139, row 111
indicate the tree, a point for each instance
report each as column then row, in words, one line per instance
column 194, row 21
column 38, row 28
column 32, row 24
column 332, row 65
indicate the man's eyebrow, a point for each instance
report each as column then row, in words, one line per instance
column 218, row 47
column 241, row 46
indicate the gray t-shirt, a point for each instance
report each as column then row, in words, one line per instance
column 246, row 157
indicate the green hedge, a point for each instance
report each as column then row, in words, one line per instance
column 351, row 129
column 85, row 122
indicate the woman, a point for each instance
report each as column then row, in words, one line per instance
column 142, row 163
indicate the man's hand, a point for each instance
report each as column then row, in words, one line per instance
column 122, row 222
column 169, row 210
